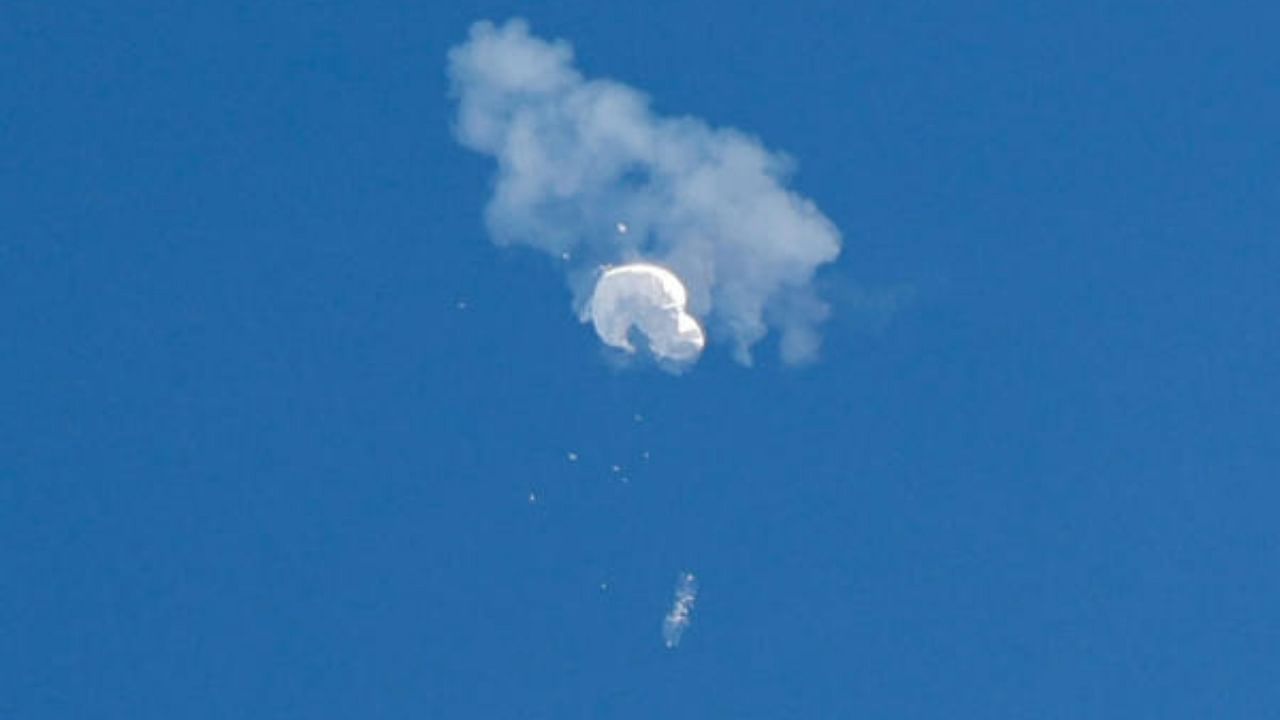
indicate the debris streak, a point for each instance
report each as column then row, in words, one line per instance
column 674, row 624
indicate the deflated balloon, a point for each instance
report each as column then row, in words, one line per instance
column 651, row 300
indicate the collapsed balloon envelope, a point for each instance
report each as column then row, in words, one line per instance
column 649, row 299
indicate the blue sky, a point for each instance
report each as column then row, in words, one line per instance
column 256, row 462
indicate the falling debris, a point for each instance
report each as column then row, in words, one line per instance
column 615, row 468
column 622, row 228
column 674, row 624
column 573, row 457
column 604, row 586
column 645, row 455
column 533, row 498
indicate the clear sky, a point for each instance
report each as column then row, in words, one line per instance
column 257, row 461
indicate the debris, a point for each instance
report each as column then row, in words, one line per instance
column 674, row 624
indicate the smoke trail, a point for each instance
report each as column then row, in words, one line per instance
column 588, row 174
column 674, row 624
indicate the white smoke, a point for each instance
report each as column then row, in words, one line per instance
column 675, row 622
column 588, row 173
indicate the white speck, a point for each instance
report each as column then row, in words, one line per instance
column 533, row 498
column 462, row 304
column 645, row 454
column 604, row 586
column 638, row 417
column 565, row 256
column 616, row 468
column 573, row 457
column 625, row 480
column 622, row 228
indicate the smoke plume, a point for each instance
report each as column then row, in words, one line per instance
column 589, row 174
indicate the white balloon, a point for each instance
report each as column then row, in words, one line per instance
column 650, row 299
